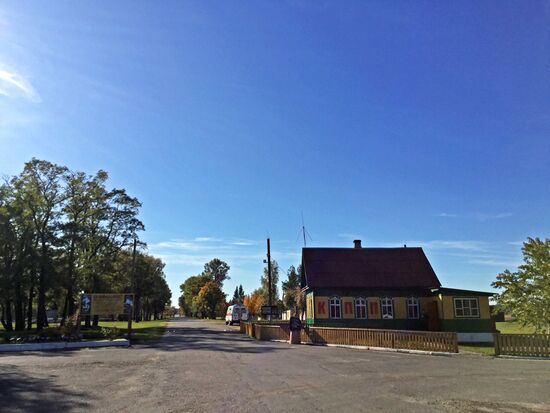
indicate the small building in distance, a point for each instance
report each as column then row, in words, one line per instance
column 391, row 288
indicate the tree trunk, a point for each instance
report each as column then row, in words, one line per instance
column 95, row 322
column 68, row 309
column 41, row 317
column 2, row 321
column 137, row 308
column 64, row 313
column 29, row 309
column 2, row 317
column 9, row 320
column 19, row 308
column 70, row 297
column 68, row 306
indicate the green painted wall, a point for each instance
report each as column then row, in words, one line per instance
column 467, row 325
column 310, row 308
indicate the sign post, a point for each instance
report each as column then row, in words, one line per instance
column 129, row 311
column 270, row 311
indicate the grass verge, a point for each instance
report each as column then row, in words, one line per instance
column 142, row 331
column 486, row 349
column 513, row 327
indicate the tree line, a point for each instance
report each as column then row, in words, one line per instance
column 202, row 295
column 292, row 298
column 63, row 232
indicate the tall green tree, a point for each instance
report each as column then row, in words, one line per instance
column 190, row 289
column 291, row 289
column 241, row 294
column 264, row 281
column 525, row 294
column 238, row 295
column 217, row 270
column 62, row 232
column 235, row 299
column 209, row 299
column 40, row 189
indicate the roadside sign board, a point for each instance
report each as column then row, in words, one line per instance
column 106, row 304
column 85, row 304
column 129, row 304
column 271, row 310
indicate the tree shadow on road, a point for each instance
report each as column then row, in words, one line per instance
column 23, row 393
column 199, row 338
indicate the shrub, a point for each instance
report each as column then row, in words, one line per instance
column 110, row 333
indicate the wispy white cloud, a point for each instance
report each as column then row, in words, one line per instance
column 496, row 263
column 348, row 235
column 207, row 239
column 243, row 243
column 14, row 85
column 468, row 245
column 516, row 243
column 480, row 216
column 197, row 251
column 464, row 245
column 488, row 217
column 447, row 215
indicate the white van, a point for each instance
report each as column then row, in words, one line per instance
column 235, row 313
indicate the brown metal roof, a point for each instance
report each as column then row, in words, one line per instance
column 368, row 268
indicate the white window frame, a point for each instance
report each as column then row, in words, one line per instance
column 413, row 303
column 471, row 309
column 335, row 302
column 361, row 302
column 386, row 303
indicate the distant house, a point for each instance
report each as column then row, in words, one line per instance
column 393, row 288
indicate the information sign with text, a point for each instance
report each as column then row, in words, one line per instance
column 106, row 304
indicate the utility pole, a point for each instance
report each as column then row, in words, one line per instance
column 269, row 271
column 132, row 282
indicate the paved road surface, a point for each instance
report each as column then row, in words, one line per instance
column 206, row 367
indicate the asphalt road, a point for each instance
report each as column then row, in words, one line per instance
column 205, row 367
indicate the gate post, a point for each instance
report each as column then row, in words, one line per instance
column 496, row 341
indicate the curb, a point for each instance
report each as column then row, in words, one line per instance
column 392, row 350
column 14, row 348
column 504, row 356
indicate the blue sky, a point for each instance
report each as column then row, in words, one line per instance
column 425, row 123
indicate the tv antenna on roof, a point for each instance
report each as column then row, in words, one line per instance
column 305, row 234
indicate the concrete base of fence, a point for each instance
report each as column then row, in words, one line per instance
column 392, row 350
column 62, row 345
column 475, row 337
column 523, row 358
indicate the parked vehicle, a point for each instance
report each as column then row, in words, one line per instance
column 235, row 313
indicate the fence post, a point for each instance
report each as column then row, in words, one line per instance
column 496, row 340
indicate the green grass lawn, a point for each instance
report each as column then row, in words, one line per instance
column 142, row 331
column 513, row 327
column 487, row 349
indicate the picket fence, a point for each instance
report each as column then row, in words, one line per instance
column 395, row 339
column 524, row 345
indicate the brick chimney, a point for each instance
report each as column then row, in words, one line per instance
column 357, row 243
